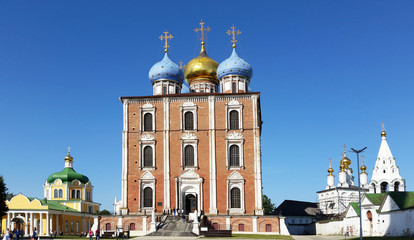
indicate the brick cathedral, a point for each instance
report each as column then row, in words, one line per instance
column 199, row 151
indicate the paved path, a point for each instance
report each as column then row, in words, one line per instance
column 297, row 237
column 317, row 237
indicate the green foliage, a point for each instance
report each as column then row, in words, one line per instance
column 268, row 206
column 9, row 196
column 3, row 198
column 104, row 212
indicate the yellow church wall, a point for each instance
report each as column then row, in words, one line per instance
column 76, row 188
column 3, row 223
column 22, row 202
column 70, row 219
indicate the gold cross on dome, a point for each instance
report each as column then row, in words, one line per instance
column 68, row 150
column 362, row 157
column 181, row 64
column 234, row 33
column 166, row 37
column 383, row 128
column 330, row 162
column 344, row 148
column 202, row 29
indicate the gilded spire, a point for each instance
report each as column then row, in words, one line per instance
column 165, row 38
column 68, row 157
column 363, row 167
column 330, row 169
column 345, row 161
column 383, row 132
column 202, row 29
column 234, row 33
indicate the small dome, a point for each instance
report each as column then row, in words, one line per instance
column 383, row 133
column 363, row 168
column 330, row 170
column 166, row 70
column 67, row 175
column 68, row 157
column 234, row 65
column 201, row 67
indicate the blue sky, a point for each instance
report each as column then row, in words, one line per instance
column 329, row 73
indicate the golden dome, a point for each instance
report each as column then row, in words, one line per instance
column 330, row 170
column 383, row 133
column 201, row 68
column 342, row 167
column 68, row 157
column 363, row 168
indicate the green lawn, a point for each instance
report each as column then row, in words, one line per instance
column 388, row 238
column 253, row 236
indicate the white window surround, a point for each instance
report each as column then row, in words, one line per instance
column 189, row 139
column 234, row 105
column 147, row 108
column 234, row 138
column 188, row 107
column 235, row 180
column 146, row 140
column 146, row 180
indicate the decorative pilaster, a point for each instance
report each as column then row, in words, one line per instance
column 167, row 201
column 124, row 209
column 257, row 159
column 212, row 156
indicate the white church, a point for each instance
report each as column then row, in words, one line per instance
column 386, row 208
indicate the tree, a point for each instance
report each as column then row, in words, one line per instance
column 104, row 212
column 3, row 198
column 9, row 196
column 268, row 206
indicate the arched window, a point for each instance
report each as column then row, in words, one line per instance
column 234, row 119
column 147, row 197
column 132, row 226
column 66, row 226
column 246, row 88
column 148, row 156
column 60, row 193
column 373, row 186
column 78, row 195
column 164, row 90
column 73, row 193
column 234, row 156
column 188, row 121
column 55, row 193
column 396, row 186
column 77, row 227
column 384, row 187
column 189, row 156
column 71, row 226
column 147, row 122
column 235, row 198
column 233, row 87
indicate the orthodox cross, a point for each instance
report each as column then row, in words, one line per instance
column 181, row 64
column 234, row 33
column 68, row 150
column 383, row 128
column 362, row 157
column 330, row 162
column 166, row 37
column 202, row 29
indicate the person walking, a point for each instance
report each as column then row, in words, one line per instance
column 90, row 234
column 34, row 235
column 174, row 211
column 97, row 234
column 6, row 235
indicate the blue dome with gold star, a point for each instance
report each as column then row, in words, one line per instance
column 166, row 70
column 234, row 65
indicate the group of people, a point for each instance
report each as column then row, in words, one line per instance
column 90, row 233
column 9, row 234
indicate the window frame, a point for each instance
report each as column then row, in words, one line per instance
column 144, row 109
column 189, row 139
column 188, row 107
column 232, row 139
column 146, row 180
column 235, row 180
column 146, row 140
column 234, row 105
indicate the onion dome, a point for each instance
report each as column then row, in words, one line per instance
column 234, row 65
column 68, row 174
column 363, row 168
column 345, row 161
column 166, row 70
column 330, row 171
column 201, row 68
column 342, row 167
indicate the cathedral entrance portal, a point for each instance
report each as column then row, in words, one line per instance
column 190, row 203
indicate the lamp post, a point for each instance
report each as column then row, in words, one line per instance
column 359, row 191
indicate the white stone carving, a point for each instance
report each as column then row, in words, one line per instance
column 234, row 102
column 235, row 176
column 188, row 104
column 189, row 136
column 147, row 105
column 234, row 136
column 147, row 176
column 147, row 137
column 190, row 173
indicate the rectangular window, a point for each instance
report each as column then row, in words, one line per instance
column 241, row 227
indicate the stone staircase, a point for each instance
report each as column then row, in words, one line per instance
column 173, row 226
